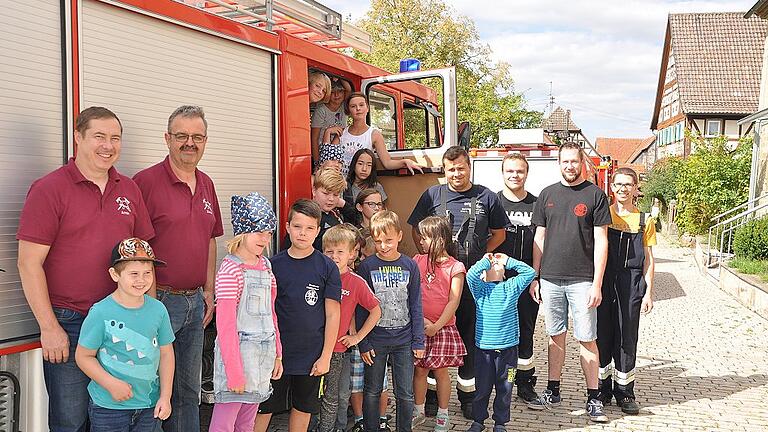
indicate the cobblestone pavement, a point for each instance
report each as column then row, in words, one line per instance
column 702, row 364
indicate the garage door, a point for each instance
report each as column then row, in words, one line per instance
column 31, row 137
column 143, row 68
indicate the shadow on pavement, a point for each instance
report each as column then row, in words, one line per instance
column 667, row 286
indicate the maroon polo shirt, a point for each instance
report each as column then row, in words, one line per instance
column 68, row 212
column 184, row 224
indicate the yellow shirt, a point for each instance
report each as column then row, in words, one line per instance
column 631, row 224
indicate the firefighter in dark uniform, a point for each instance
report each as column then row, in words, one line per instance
column 518, row 204
column 627, row 292
column 478, row 225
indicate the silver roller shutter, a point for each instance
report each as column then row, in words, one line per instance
column 143, row 68
column 31, row 136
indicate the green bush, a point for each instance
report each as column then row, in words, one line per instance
column 750, row 241
column 660, row 183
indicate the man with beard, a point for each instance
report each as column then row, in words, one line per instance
column 477, row 223
column 185, row 213
column 518, row 204
column 569, row 255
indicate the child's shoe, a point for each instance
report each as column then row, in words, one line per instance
column 442, row 422
column 418, row 419
column 359, row 426
column 499, row 428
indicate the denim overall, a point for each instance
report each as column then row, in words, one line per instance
column 256, row 331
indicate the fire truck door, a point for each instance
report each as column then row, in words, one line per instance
column 428, row 132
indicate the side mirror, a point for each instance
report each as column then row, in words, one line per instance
column 465, row 132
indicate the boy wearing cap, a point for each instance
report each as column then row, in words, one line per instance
column 125, row 347
column 497, row 334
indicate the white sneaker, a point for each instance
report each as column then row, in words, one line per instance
column 418, row 419
column 442, row 422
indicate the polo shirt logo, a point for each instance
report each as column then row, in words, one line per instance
column 208, row 209
column 123, row 205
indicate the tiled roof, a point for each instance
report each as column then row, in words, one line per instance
column 556, row 121
column 718, row 59
column 621, row 149
column 644, row 145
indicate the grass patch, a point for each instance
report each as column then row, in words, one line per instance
column 751, row 267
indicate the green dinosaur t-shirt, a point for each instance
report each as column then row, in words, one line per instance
column 128, row 342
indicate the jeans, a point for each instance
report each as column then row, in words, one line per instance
column 345, row 391
column 67, row 385
column 401, row 359
column 561, row 297
column 130, row 420
column 186, row 313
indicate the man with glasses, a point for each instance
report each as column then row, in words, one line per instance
column 478, row 225
column 185, row 213
column 569, row 255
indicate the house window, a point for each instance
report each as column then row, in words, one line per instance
column 713, row 128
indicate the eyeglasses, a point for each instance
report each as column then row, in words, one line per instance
column 373, row 204
column 620, row 186
column 182, row 138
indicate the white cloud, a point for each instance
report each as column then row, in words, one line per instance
column 603, row 57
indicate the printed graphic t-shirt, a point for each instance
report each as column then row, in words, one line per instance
column 303, row 285
column 570, row 213
column 128, row 345
column 518, row 242
column 396, row 285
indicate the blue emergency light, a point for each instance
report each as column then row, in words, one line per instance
column 410, row 65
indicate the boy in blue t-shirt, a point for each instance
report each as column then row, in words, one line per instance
column 125, row 347
column 308, row 308
column 497, row 334
column 399, row 334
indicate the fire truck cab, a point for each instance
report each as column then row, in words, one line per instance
column 246, row 65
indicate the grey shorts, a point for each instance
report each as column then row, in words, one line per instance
column 561, row 297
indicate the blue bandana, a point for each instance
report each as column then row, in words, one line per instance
column 330, row 152
column 252, row 213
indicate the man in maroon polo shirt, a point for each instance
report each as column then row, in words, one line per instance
column 185, row 212
column 71, row 220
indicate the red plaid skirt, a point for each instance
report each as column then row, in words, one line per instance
column 444, row 349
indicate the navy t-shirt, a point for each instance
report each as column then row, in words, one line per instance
column 302, row 287
column 570, row 214
column 397, row 285
column 488, row 212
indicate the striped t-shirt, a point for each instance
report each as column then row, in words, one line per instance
column 497, row 326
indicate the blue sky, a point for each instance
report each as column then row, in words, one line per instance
column 602, row 57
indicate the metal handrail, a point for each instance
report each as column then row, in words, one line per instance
column 716, row 217
column 732, row 223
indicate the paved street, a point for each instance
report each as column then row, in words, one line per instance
column 702, row 365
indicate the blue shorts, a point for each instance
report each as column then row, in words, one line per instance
column 358, row 372
column 561, row 297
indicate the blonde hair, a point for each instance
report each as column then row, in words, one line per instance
column 319, row 76
column 345, row 234
column 330, row 180
column 384, row 221
column 235, row 242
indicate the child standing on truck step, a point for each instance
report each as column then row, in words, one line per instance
column 627, row 292
column 496, row 334
column 442, row 280
column 360, row 135
column 329, row 114
column 248, row 351
column 399, row 335
column 308, row 309
column 339, row 244
column 126, row 347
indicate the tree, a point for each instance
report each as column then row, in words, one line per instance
column 713, row 179
column 661, row 183
column 436, row 34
